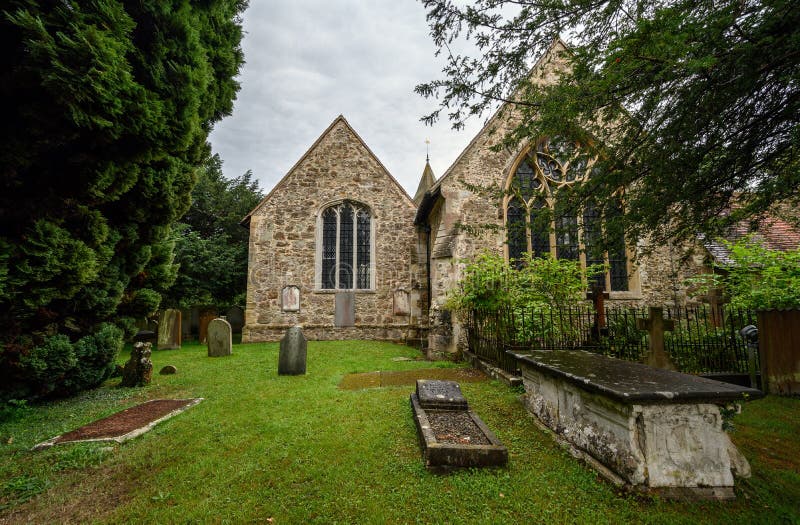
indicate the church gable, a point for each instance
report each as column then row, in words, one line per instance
column 337, row 161
column 337, row 222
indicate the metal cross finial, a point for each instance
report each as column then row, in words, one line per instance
column 427, row 150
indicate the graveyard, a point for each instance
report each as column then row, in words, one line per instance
column 264, row 447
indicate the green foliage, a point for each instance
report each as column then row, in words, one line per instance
column 211, row 246
column 106, row 110
column 489, row 282
column 686, row 105
column 58, row 366
column 758, row 278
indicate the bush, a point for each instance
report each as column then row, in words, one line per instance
column 58, row 367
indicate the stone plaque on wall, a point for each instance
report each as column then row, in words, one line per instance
column 401, row 303
column 290, row 299
column 345, row 314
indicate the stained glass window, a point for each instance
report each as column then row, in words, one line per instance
column 540, row 228
column 346, row 247
column 329, row 220
column 517, row 242
column 617, row 259
column 363, row 239
column 548, row 171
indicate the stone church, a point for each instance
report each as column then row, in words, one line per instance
column 340, row 248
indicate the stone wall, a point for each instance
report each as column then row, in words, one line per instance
column 283, row 243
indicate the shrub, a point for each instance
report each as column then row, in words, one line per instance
column 58, row 366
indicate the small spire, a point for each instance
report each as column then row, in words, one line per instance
column 427, row 150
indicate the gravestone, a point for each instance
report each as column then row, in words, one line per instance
column 220, row 338
column 204, row 318
column 400, row 302
column 290, row 299
column 168, row 370
column 139, row 369
column 169, row 330
column 345, row 314
column 438, row 394
column 235, row 316
column 292, row 357
column 656, row 325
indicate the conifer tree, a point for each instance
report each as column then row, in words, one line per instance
column 106, row 106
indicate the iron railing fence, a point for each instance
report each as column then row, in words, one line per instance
column 704, row 340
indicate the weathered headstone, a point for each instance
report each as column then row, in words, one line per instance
column 168, row 370
column 169, row 330
column 292, row 357
column 290, row 299
column 345, row 313
column 656, row 325
column 139, row 369
column 220, row 338
column 204, row 318
column 439, row 394
column 400, row 302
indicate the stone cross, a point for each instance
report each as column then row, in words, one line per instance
column 220, row 338
column 656, row 325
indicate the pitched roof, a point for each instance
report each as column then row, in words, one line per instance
column 246, row 220
column 425, row 182
column 771, row 232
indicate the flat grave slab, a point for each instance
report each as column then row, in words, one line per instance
column 124, row 425
column 630, row 382
column 445, row 395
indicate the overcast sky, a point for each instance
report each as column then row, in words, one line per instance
column 309, row 61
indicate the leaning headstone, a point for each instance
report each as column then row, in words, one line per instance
column 139, row 369
column 169, row 330
column 220, row 338
column 292, row 357
column 168, row 370
column 656, row 325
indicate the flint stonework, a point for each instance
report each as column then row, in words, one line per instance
column 220, row 338
column 292, row 356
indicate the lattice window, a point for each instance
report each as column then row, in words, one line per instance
column 329, row 227
column 363, row 260
column 346, row 250
column 539, row 223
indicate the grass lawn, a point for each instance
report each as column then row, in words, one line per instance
column 298, row 449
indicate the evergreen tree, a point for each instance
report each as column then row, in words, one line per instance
column 107, row 106
column 211, row 247
column 688, row 105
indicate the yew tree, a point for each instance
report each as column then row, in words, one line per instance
column 106, row 110
column 689, row 105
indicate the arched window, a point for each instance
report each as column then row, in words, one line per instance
column 540, row 221
column 346, row 247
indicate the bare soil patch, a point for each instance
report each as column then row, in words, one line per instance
column 118, row 426
column 409, row 377
column 455, row 427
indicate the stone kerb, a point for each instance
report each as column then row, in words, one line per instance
column 220, row 338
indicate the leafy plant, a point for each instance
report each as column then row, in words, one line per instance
column 758, row 278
